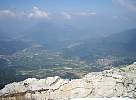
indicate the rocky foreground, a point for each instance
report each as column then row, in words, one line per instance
column 117, row 83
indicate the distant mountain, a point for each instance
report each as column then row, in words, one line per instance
column 54, row 35
column 48, row 35
column 126, row 40
column 122, row 44
column 4, row 35
column 51, row 35
column 9, row 46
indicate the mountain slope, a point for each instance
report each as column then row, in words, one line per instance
column 116, row 45
column 10, row 46
column 54, row 35
column 110, row 83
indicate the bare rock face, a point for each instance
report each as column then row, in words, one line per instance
column 110, row 83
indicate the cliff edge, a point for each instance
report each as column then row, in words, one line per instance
column 117, row 82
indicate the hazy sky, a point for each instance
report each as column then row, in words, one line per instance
column 100, row 15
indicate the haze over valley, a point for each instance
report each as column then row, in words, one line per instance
column 69, row 39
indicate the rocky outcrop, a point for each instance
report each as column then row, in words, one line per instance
column 109, row 83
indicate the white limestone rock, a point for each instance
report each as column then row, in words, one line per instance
column 110, row 83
